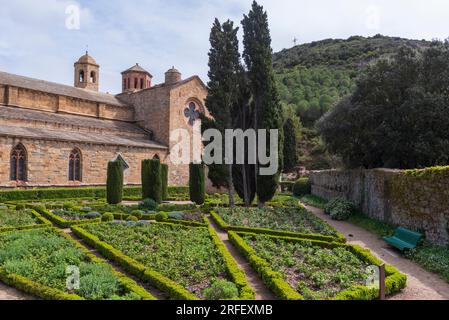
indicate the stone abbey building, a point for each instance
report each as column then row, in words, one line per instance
column 58, row 135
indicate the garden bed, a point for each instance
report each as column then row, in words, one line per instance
column 65, row 218
column 181, row 261
column 35, row 261
column 12, row 219
column 297, row 269
column 286, row 221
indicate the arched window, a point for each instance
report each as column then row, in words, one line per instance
column 156, row 157
column 82, row 76
column 19, row 163
column 75, row 165
column 129, row 84
column 93, row 77
column 135, row 83
column 141, row 83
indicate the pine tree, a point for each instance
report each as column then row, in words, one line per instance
column 267, row 110
column 114, row 183
column 224, row 68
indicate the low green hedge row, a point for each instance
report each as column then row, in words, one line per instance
column 173, row 289
column 43, row 223
column 148, row 217
column 28, row 286
column 60, row 222
column 65, row 193
column 394, row 281
column 235, row 273
column 311, row 236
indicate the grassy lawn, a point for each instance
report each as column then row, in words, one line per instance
column 294, row 219
column 187, row 256
column 43, row 256
column 313, row 271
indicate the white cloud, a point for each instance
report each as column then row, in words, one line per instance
column 162, row 33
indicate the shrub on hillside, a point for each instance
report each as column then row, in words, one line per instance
column 340, row 209
column 148, row 204
column 302, row 187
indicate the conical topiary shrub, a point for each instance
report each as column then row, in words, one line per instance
column 197, row 183
column 164, row 177
column 152, row 180
column 114, row 183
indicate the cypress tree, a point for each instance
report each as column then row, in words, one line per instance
column 114, row 183
column 197, row 183
column 164, row 177
column 267, row 109
column 224, row 70
column 291, row 157
column 152, row 180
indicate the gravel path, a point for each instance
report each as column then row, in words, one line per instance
column 8, row 293
column 262, row 292
column 421, row 284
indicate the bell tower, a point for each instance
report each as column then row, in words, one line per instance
column 87, row 73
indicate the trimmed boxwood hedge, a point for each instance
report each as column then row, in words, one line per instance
column 60, row 222
column 173, row 289
column 31, row 287
column 234, row 272
column 43, row 223
column 78, row 193
column 312, row 236
column 394, row 281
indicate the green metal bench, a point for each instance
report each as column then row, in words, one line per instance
column 404, row 239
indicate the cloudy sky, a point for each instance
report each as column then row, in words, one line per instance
column 42, row 39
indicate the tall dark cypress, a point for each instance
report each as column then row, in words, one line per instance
column 224, row 68
column 267, row 109
column 114, row 183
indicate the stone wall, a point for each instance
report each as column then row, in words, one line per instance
column 416, row 199
column 48, row 162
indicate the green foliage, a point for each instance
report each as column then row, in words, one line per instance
column 152, row 180
column 220, row 290
column 302, row 187
column 340, row 209
column 293, row 219
column 291, row 157
column 392, row 129
column 161, row 216
column 20, row 207
column 17, row 218
column 433, row 258
column 42, row 257
column 132, row 218
column 164, row 179
column 314, row 201
column 258, row 58
column 187, row 256
column 197, row 183
column 114, row 183
column 137, row 213
column 107, row 217
column 148, row 204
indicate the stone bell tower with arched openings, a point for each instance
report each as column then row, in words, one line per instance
column 87, row 73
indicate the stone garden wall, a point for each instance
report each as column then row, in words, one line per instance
column 416, row 199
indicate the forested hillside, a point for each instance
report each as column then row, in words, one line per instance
column 313, row 77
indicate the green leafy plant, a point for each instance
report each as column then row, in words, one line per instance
column 340, row 209
column 302, row 187
column 108, row 216
column 197, row 183
column 161, row 216
column 148, row 204
column 220, row 290
column 164, row 179
column 152, row 180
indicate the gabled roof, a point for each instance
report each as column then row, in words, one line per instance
column 59, row 89
column 137, row 68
